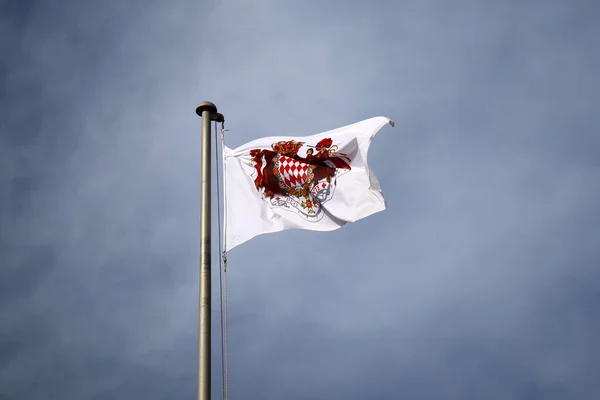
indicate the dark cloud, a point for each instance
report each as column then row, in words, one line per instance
column 478, row 281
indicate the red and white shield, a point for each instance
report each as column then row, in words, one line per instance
column 294, row 173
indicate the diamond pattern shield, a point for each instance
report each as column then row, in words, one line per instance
column 293, row 172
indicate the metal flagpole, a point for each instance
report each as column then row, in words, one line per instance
column 208, row 112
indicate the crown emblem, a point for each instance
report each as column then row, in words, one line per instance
column 289, row 148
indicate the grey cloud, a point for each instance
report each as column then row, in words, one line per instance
column 476, row 282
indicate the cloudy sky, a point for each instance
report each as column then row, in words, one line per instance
column 480, row 280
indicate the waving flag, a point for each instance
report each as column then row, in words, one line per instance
column 317, row 182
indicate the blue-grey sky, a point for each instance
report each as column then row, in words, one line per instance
column 480, row 280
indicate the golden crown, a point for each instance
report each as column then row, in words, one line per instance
column 286, row 148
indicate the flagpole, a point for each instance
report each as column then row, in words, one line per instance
column 208, row 112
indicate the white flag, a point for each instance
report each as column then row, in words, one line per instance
column 317, row 182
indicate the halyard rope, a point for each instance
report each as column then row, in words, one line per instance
column 222, row 260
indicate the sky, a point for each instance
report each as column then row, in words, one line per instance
column 480, row 280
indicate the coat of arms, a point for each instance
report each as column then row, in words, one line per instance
column 296, row 183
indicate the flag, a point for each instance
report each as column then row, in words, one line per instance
column 319, row 182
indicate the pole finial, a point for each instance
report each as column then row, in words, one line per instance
column 210, row 107
column 206, row 106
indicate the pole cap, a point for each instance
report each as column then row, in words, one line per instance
column 206, row 106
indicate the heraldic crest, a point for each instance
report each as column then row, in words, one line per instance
column 296, row 183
